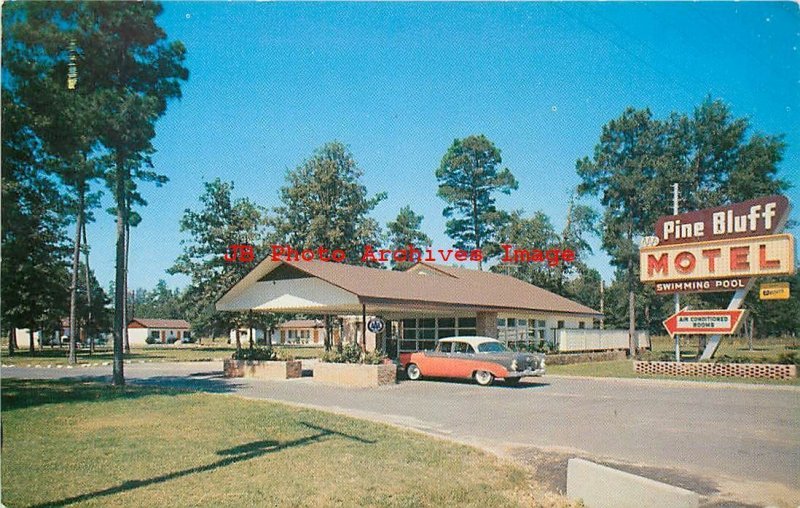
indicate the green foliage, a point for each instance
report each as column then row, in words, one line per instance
column 352, row 353
column 405, row 231
column 219, row 222
column 151, row 340
column 161, row 302
column 775, row 317
column 262, row 354
column 469, row 177
column 789, row 358
column 540, row 346
column 34, row 246
column 710, row 154
column 97, row 317
column 324, row 204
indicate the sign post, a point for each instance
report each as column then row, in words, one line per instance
column 717, row 249
column 677, row 295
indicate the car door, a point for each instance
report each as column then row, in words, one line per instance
column 435, row 362
column 461, row 360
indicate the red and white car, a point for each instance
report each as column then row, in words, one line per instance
column 481, row 358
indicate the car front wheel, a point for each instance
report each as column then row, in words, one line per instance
column 484, row 378
column 413, row 372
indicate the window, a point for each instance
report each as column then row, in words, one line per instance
column 464, row 322
column 581, row 325
column 154, row 334
column 462, row 347
column 427, row 323
column 420, row 334
column 444, row 347
column 446, row 332
column 491, row 347
column 501, row 322
column 560, row 324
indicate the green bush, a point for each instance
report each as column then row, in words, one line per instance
column 792, row 358
column 150, row 340
column 256, row 354
column 351, row 353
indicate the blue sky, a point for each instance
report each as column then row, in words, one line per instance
column 270, row 82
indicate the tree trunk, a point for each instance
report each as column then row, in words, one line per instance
column 30, row 338
column 328, row 333
column 89, row 316
column 73, row 290
column 125, row 281
column 238, row 342
column 631, row 298
column 12, row 340
column 119, row 286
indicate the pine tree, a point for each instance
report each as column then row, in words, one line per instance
column 469, row 177
column 405, row 231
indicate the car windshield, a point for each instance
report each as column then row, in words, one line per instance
column 491, row 347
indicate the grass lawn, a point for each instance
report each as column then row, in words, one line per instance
column 168, row 353
column 766, row 350
column 769, row 349
column 89, row 444
column 624, row 368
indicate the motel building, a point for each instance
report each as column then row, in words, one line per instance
column 418, row 306
column 162, row 331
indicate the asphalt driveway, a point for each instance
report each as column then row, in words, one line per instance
column 736, row 435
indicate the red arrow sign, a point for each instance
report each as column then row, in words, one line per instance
column 707, row 322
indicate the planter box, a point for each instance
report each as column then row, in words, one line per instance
column 263, row 369
column 745, row 370
column 355, row 374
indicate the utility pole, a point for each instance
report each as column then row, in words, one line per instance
column 602, row 304
column 676, row 296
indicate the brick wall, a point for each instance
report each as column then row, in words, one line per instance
column 744, row 370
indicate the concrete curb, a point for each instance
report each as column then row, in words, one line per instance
column 681, row 382
column 99, row 364
column 605, row 487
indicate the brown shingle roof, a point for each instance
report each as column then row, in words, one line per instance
column 302, row 323
column 463, row 287
column 161, row 323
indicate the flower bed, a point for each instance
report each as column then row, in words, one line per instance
column 743, row 370
column 263, row 369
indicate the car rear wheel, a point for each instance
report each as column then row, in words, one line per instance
column 484, row 378
column 412, row 372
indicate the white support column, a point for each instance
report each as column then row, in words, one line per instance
column 736, row 302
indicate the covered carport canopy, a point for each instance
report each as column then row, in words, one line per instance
column 319, row 287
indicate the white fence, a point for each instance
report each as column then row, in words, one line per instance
column 571, row 340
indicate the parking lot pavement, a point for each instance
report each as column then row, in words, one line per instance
column 725, row 432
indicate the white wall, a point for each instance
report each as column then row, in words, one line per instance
column 138, row 336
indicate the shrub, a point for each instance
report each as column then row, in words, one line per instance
column 150, row 340
column 351, row 353
column 262, row 354
column 792, row 358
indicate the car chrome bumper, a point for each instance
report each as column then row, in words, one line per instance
column 526, row 373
